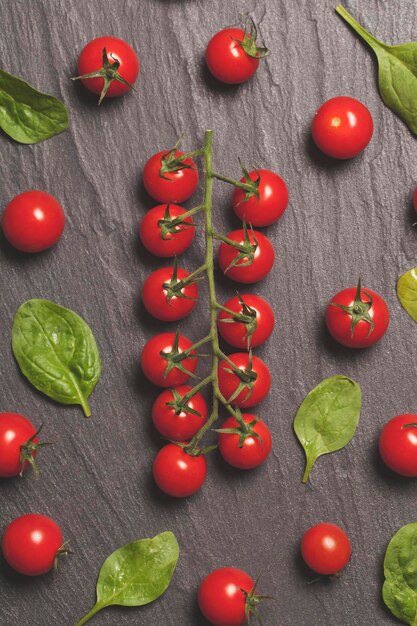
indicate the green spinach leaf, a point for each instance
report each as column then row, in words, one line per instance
column 400, row 570
column 28, row 115
column 327, row 418
column 56, row 351
column 397, row 72
column 136, row 574
column 407, row 292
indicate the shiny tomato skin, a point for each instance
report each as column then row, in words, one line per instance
column 342, row 127
column 221, row 596
column 261, row 265
column 398, row 444
column 15, row 431
column 254, row 452
column 177, row 473
column 91, row 60
column 31, row 543
column 338, row 321
column 180, row 427
column 180, row 184
column 153, row 364
column 173, row 243
column 33, row 221
column 229, row 381
column 326, row 549
column 155, row 299
column 271, row 204
column 235, row 332
column 227, row 60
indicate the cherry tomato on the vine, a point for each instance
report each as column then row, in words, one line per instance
column 245, row 450
column 254, row 380
column 18, row 444
column 175, row 422
column 246, row 267
column 161, row 238
column 170, row 186
column 342, row 127
column 357, row 317
column 178, row 473
column 158, row 354
column 398, row 444
column 164, row 296
column 272, row 201
column 31, row 544
column 259, row 325
column 33, row 221
column 326, row 548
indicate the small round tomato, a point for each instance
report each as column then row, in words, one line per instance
column 326, row 549
column 166, row 297
column 158, row 353
column 171, row 185
column 31, row 543
column 272, row 201
column 178, row 473
column 357, row 317
column 108, row 66
column 415, row 200
column 398, row 444
column 254, row 379
column 162, row 235
column 33, row 221
column 226, row 597
column 175, row 422
column 18, row 444
column 245, row 449
column 250, row 267
column 342, row 127
column 255, row 330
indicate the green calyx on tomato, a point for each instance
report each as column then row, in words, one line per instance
column 254, row 184
column 28, row 451
column 180, row 403
column 172, row 162
column 359, row 310
column 171, row 226
column 247, row 378
column 244, row 430
column 174, row 288
column 175, row 357
column 246, row 250
column 193, row 450
column 252, row 601
column 249, row 43
column 246, row 317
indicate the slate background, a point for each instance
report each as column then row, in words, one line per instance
column 344, row 219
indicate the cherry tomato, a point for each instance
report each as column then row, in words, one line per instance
column 415, row 200
column 248, row 268
column 171, row 186
column 154, row 364
column 326, row 548
column 177, row 473
column 162, row 239
column 224, row 594
column 255, row 379
column 272, row 201
column 398, row 444
column 31, row 544
column 33, row 221
column 113, row 63
column 18, row 444
column 257, row 330
column 177, row 423
column 163, row 299
column 342, row 127
column 357, row 317
column 245, row 450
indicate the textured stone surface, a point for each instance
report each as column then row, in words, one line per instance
column 344, row 219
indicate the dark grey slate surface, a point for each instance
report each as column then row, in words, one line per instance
column 344, row 219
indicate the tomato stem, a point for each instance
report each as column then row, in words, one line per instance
column 231, row 181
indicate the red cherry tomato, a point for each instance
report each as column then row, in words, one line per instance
column 157, row 236
column 154, row 364
column 248, row 452
column 260, row 264
column 236, row 333
column 326, row 548
column 272, row 201
column 175, row 186
column 342, row 127
column 160, row 294
column 415, row 200
column 118, row 52
column 398, row 444
column 31, row 544
column 227, row 59
column 179, row 424
column 17, row 444
column 357, row 317
column 177, row 473
column 33, row 221
column 256, row 379
column 223, row 594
